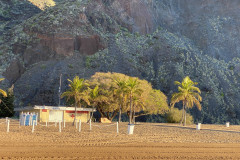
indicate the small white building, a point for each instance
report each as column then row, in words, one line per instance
column 57, row 113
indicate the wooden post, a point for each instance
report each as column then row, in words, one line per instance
column 60, row 128
column 33, row 126
column 117, row 128
column 8, row 122
column 80, row 125
column 90, row 124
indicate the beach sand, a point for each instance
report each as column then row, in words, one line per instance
column 149, row 141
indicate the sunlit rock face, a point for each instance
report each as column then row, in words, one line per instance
column 43, row 4
column 161, row 41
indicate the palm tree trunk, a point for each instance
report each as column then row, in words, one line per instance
column 130, row 115
column 134, row 114
column 120, row 114
column 181, row 122
column 185, row 117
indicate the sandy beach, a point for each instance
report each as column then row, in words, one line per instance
column 150, row 141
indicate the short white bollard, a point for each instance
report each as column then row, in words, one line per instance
column 198, row 126
column 33, row 126
column 64, row 125
column 117, row 128
column 227, row 124
column 46, row 123
column 8, row 122
column 80, row 125
column 60, row 128
column 90, row 124
column 130, row 128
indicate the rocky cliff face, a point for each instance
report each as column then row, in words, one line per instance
column 161, row 41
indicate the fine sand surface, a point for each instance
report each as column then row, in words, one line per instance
column 150, row 141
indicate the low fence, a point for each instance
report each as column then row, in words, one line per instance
column 29, row 121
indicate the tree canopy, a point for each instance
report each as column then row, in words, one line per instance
column 132, row 94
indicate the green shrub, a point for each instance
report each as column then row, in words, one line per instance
column 175, row 116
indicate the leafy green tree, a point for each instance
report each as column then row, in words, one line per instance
column 104, row 101
column 2, row 91
column 96, row 97
column 124, row 94
column 188, row 94
column 175, row 116
column 134, row 91
column 78, row 91
column 7, row 107
column 120, row 92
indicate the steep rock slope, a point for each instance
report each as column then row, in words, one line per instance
column 135, row 37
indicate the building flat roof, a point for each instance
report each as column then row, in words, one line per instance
column 61, row 108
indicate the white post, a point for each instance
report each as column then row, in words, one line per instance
column 30, row 119
column 60, row 128
column 46, row 123
column 79, row 127
column 33, row 126
column 90, row 124
column 64, row 123
column 76, row 124
column 8, row 121
column 198, row 126
column 24, row 120
column 117, row 128
column 227, row 124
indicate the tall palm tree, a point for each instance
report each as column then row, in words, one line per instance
column 188, row 94
column 2, row 91
column 78, row 92
column 96, row 98
column 133, row 90
column 120, row 92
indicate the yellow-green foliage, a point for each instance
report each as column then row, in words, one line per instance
column 148, row 101
column 43, row 4
column 175, row 116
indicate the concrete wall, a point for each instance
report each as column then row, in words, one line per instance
column 69, row 116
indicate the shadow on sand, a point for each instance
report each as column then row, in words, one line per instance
column 191, row 128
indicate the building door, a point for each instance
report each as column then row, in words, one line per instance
column 55, row 116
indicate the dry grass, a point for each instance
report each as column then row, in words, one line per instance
column 150, row 141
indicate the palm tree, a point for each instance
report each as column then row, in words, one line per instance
column 2, row 91
column 133, row 90
column 120, row 92
column 188, row 94
column 78, row 92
